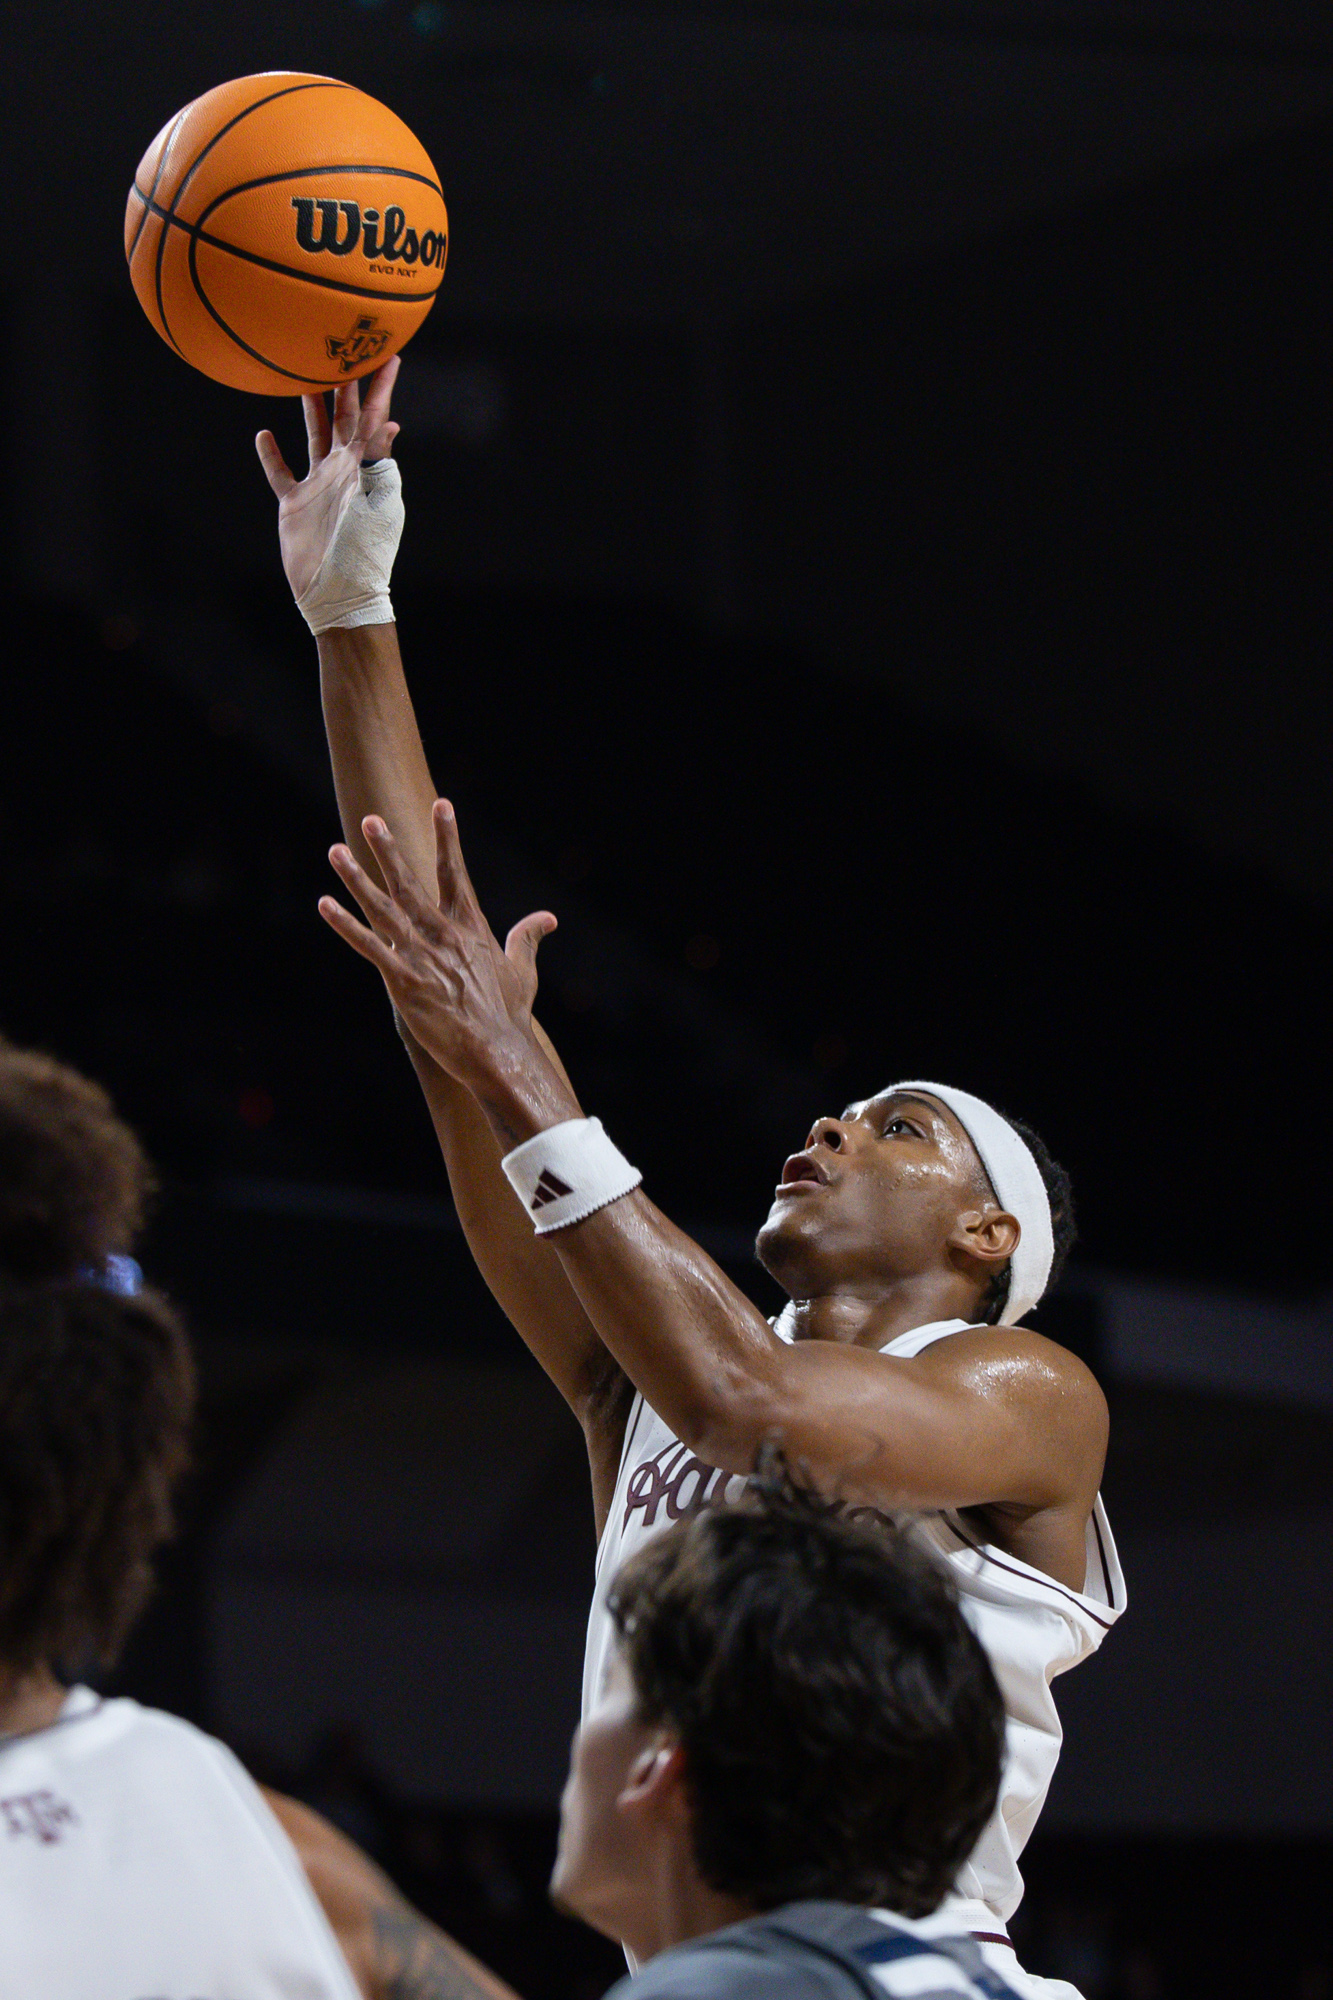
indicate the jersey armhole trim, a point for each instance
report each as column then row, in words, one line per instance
column 1101, row 1557
column 1025, row 1570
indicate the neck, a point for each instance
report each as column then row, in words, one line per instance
column 28, row 1701
column 683, row 1907
column 857, row 1318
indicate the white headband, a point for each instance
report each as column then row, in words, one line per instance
column 1019, row 1187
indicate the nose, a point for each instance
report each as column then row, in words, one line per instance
column 827, row 1132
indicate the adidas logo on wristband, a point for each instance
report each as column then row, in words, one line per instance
column 592, row 1173
column 550, row 1187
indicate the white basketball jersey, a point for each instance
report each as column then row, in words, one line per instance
column 1032, row 1627
column 139, row 1861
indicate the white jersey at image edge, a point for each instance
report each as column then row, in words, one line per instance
column 1032, row 1627
column 140, row 1859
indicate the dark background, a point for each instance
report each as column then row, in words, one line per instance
column 867, row 568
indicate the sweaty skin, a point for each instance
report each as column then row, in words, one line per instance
column 897, row 1228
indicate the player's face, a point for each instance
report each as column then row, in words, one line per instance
column 872, row 1196
column 601, row 1872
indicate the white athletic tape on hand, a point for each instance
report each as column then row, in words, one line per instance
column 351, row 585
column 568, row 1172
column 1019, row 1188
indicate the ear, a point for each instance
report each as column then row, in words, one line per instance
column 986, row 1238
column 656, row 1776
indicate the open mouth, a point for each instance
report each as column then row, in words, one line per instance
column 801, row 1171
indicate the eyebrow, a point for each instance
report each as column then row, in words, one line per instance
column 907, row 1097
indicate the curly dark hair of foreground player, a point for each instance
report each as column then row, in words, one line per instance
column 841, row 1726
column 96, row 1389
column 74, row 1180
column 1064, row 1229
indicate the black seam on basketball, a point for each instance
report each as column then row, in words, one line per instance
column 198, row 235
column 162, row 238
column 162, row 242
column 306, row 174
column 288, row 90
column 150, row 208
column 147, row 198
column 306, row 381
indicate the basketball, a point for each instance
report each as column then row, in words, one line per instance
column 286, row 233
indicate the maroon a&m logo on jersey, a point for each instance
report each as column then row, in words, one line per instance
column 37, row 1816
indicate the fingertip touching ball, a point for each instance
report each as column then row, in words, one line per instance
column 286, row 233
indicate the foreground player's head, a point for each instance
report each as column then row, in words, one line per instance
column 796, row 1709
column 96, row 1382
column 928, row 1186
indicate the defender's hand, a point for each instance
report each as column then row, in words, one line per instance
column 310, row 509
column 465, row 1000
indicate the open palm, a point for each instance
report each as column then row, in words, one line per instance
column 310, row 509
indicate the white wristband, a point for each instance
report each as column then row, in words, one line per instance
column 567, row 1172
column 351, row 585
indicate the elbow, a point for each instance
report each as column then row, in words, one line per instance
column 728, row 1418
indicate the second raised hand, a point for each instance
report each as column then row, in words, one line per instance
column 466, row 1001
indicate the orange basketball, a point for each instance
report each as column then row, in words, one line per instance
column 286, row 233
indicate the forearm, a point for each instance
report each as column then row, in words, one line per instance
column 698, row 1350
column 522, row 1271
column 886, row 1433
column 415, row 1960
column 379, row 764
column 702, row 1355
column 378, row 758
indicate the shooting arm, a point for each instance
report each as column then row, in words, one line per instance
column 379, row 765
column 338, row 529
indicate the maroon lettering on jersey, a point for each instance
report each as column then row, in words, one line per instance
column 677, row 1482
column 37, row 1816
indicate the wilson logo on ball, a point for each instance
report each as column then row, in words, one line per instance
column 340, row 227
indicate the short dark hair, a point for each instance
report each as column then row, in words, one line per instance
column 842, row 1729
column 1064, row 1228
column 96, row 1389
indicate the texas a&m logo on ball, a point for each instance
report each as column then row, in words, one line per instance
column 364, row 341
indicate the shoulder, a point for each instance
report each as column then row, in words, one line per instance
column 159, row 1742
column 1017, row 1366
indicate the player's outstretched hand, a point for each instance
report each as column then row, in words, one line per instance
column 309, row 509
column 465, row 1000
